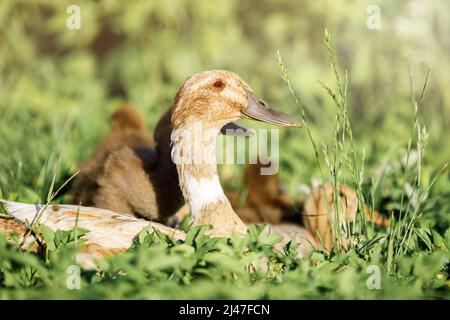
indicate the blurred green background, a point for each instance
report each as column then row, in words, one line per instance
column 58, row 87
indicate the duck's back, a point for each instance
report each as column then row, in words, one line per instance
column 128, row 131
column 129, row 173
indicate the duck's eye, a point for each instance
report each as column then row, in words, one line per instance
column 219, row 84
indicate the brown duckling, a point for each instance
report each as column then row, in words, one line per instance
column 265, row 200
column 315, row 216
column 128, row 130
column 142, row 180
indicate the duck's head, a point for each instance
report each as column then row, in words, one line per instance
column 217, row 97
column 206, row 103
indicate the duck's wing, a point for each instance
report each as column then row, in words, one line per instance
column 108, row 232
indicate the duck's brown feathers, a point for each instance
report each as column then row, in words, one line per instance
column 129, row 173
column 128, row 130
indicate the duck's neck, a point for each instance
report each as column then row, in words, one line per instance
column 194, row 154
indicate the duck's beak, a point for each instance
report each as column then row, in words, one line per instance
column 260, row 110
column 233, row 129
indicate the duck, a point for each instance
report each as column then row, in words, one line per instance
column 267, row 202
column 315, row 212
column 127, row 130
column 130, row 171
column 209, row 99
column 263, row 198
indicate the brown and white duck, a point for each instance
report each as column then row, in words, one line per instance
column 212, row 99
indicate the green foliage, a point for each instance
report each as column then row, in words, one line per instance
column 365, row 125
column 206, row 268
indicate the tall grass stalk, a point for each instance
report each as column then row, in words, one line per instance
column 301, row 108
column 344, row 150
column 417, row 105
column 343, row 155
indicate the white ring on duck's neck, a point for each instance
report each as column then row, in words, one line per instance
column 202, row 192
